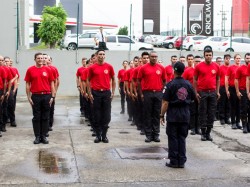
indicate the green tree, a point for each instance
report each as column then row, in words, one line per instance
column 123, row 31
column 52, row 27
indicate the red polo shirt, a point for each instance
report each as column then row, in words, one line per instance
column 100, row 75
column 241, row 75
column 189, row 74
column 120, row 75
column 223, row 72
column 206, row 74
column 152, row 77
column 40, row 79
column 231, row 71
column 169, row 73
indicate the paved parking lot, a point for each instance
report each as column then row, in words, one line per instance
column 72, row 159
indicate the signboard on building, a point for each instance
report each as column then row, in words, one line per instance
column 200, row 17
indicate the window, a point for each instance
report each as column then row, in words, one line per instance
column 237, row 40
column 123, row 39
column 111, row 39
column 246, row 41
column 84, row 36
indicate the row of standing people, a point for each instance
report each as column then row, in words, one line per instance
column 9, row 81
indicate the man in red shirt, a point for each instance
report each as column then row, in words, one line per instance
column 231, row 92
column 189, row 75
column 151, row 78
column 206, row 86
column 101, row 75
column 224, row 104
column 78, row 75
column 2, row 92
column 120, row 77
column 240, row 86
column 169, row 69
column 56, row 83
column 138, row 100
column 127, row 82
column 41, row 93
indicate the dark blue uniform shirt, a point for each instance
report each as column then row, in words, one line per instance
column 179, row 93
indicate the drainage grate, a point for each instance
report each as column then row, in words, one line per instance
column 143, row 153
column 124, row 132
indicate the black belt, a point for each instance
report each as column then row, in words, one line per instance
column 41, row 93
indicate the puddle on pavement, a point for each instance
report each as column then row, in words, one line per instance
column 50, row 163
column 124, row 132
column 49, row 166
column 143, row 153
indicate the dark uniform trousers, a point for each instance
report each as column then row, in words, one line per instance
column 194, row 114
column 177, row 133
column 152, row 108
column 101, row 111
column 1, row 113
column 122, row 93
column 81, row 103
column 129, row 107
column 244, row 109
column 139, row 114
column 11, row 106
column 41, row 111
column 224, row 105
column 235, row 105
column 51, row 113
column 207, row 108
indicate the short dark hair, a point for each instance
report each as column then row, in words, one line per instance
column 136, row 57
column 227, row 55
column 247, row 54
column 208, row 51
column 84, row 58
column 197, row 56
column 182, row 57
column 173, row 56
column 92, row 55
column 100, row 50
column 37, row 54
column 144, row 53
column 190, row 55
column 218, row 58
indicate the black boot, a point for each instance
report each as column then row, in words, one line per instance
column 248, row 127
column 203, row 134
column 244, row 128
column 208, row 136
column 37, row 140
column 3, row 128
column 104, row 136
column 44, row 140
column 98, row 137
column 238, row 125
column 234, row 126
column 0, row 134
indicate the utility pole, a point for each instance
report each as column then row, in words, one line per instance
column 223, row 14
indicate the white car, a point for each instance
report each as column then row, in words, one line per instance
column 212, row 42
column 169, row 42
column 239, row 44
column 84, row 40
column 188, row 42
column 122, row 43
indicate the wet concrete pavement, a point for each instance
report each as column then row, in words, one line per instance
column 72, row 159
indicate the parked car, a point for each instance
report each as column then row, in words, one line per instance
column 188, row 43
column 169, row 42
column 178, row 42
column 84, row 40
column 121, row 42
column 212, row 42
column 239, row 44
column 141, row 38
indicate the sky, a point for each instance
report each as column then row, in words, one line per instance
column 118, row 12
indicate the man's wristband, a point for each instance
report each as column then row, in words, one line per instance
column 78, row 86
column 161, row 116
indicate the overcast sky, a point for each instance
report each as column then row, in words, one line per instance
column 118, row 12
